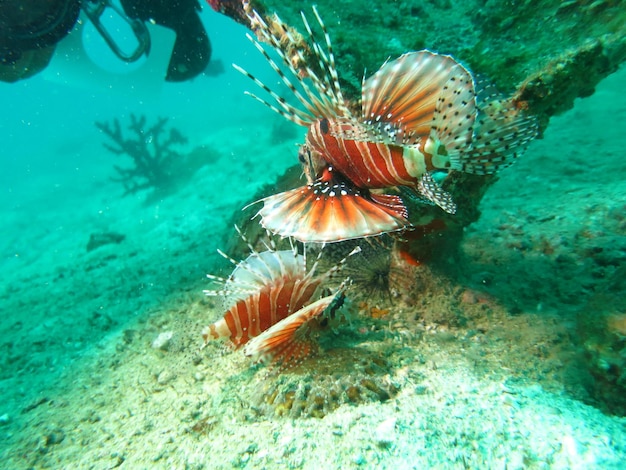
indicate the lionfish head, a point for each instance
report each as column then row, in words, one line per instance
column 313, row 163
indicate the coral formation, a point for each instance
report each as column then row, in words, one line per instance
column 156, row 163
column 341, row 378
column 547, row 84
column 153, row 156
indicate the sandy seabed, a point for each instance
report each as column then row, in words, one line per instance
column 479, row 367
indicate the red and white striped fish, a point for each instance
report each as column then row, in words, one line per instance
column 272, row 307
column 419, row 114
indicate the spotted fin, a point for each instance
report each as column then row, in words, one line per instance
column 454, row 115
column 431, row 191
column 402, row 97
column 502, row 133
column 289, row 340
column 331, row 212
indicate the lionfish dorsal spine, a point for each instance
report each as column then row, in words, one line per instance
column 254, row 254
column 290, row 112
column 327, row 64
column 323, row 98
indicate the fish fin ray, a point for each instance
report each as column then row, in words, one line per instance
column 290, row 339
column 404, row 92
column 455, row 114
column 502, row 132
column 430, row 190
column 329, row 212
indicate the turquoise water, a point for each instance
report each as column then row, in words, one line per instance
column 522, row 377
column 56, row 174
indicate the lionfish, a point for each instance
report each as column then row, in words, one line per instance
column 271, row 306
column 419, row 114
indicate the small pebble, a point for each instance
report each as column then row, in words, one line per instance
column 165, row 377
column 359, row 459
column 163, row 340
column 55, row 437
column 385, row 433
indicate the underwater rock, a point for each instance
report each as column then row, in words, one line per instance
column 96, row 240
column 602, row 338
column 385, row 432
column 163, row 341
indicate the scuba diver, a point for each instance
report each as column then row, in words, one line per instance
column 30, row 30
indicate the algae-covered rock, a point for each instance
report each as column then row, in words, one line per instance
column 551, row 52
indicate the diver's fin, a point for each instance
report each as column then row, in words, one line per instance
column 431, row 191
column 501, row 134
column 331, row 212
column 401, row 98
column 289, row 340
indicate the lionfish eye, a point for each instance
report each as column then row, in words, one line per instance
column 304, row 154
column 324, row 126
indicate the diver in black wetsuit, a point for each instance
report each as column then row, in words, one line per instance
column 30, row 30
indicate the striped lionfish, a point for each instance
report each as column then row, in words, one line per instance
column 270, row 305
column 419, row 114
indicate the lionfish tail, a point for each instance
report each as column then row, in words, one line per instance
column 331, row 212
column 291, row 340
column 502, row 132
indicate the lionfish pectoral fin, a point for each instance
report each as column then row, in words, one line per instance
column 502, row 132
column 391, row 202
column 290, row 340
column 330, row 212
column 401, row 97
column 430, row 190
column 455, row 114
